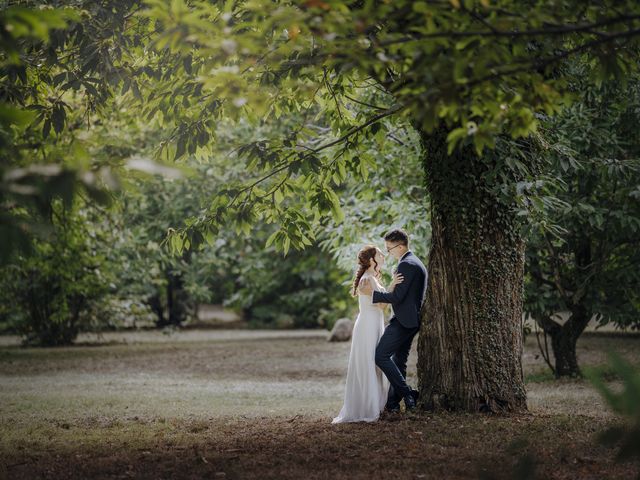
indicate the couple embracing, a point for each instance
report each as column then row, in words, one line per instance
column 376, row 376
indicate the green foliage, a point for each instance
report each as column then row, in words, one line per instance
column 480, row 65
column 392, row 196
column 304, row 290
column 227, row 266
column 105, row 268
column 57, row 291
column 625, row 403
column 144, row 212
column 45, row 95
column 481, row 70
column 590, row 257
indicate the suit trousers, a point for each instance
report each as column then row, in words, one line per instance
column 391, row 357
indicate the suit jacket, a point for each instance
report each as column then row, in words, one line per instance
column 408, row 296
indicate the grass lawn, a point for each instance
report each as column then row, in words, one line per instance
column 255, row 404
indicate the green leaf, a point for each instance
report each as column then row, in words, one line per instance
column 186, row 63
column 57, row 118
column 46, row 128
column 286, row 244
column 454, row 137
column 180, row 147
column 272, row 238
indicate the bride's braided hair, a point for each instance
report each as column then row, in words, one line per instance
column 365, row 256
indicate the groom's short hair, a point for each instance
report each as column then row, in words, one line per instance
column 397, row 236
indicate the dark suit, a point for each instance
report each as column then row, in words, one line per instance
column 393, row 349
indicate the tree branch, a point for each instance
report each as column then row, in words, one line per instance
column 527, row 66
column 376, row 107
column 312, row 151
column 493, row 32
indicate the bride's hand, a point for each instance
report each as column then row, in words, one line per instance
column 397, row 278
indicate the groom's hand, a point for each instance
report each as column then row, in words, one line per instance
column 365, row 287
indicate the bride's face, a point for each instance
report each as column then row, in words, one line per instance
column 379, row 257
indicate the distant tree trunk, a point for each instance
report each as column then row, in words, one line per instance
column 564, row 339
column 470, row 343
column 564, row 351
column 177, row 299
column 177, row 305
column 155, row 303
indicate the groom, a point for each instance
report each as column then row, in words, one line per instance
column 407, row 298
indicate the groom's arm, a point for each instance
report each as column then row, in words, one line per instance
column 398, row 294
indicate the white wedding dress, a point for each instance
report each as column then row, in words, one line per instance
column 366, row 388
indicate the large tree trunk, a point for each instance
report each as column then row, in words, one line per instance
column 470, row 343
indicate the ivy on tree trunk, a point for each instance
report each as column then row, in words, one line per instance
column 470, row 343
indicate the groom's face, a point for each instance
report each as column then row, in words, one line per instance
column 394, row 249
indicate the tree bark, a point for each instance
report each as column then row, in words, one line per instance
column 573, row 291
column 177, row 299
column 564, row 339
column 470, row 342
column 155, row 303
column 564, row 351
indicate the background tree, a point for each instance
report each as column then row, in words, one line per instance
column 303, row 290
column 588, row 266
column 61, row 286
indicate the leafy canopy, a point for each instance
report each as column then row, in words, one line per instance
column 480, row 68
column 329, row 71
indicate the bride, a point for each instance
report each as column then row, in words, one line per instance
column 366, row 388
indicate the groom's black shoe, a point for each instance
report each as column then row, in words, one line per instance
column 410, row 402
column 415, row 394
column 391, row 414
column 395, row 408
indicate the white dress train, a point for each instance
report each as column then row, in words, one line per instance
column 366, row 387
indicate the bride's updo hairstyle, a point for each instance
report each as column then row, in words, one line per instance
column 366, row 255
